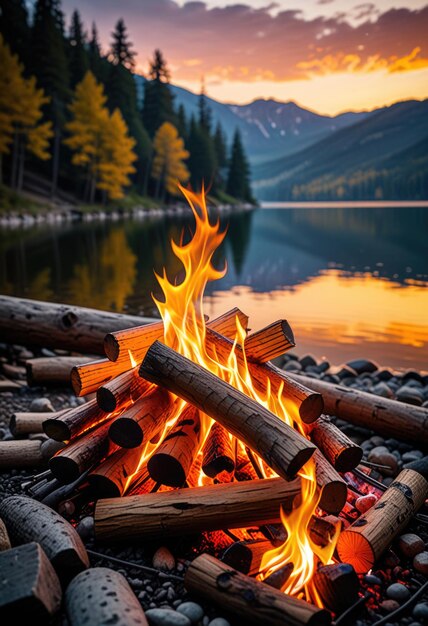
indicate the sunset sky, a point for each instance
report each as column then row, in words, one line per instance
column 328, row 55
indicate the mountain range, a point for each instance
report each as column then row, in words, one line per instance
column 297, row 154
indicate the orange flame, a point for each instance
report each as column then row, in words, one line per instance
column 184, row 330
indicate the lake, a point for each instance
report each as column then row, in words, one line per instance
column 351, row 281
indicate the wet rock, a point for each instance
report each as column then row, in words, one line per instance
column 331, row 378
column 292, row 366
column 410, row 545
column 166, row 617
column 382, row 390
column 412, row 375
column 420, row 563
column 371, row 579
column 191, row 610
column 384, row 375
column 361, row 366
column 388, row 606
column 346, row 372
column 413, row 455
column 398, row 592
column 219, row 621
column 43, row 405
column 420, row 612
column 382, row 456
column 410, row 395
column 85, row 527
column 364, row 503
column 163, row 559
column 307, row 360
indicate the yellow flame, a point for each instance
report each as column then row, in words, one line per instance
column 182, row 312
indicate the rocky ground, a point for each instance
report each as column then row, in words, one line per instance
column 391, row 584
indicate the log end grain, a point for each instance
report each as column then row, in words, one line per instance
column 348, row 459
column 126, row 433
column 311, row 408
column 355, row 549
column 103, row 487
column 56, row 429
column 64, row 469
column 165, row 469
column 220, row 464
column 76, row 382
column 111, row 347
column 106, row 400
column 333, row 497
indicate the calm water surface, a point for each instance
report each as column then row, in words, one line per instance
column 352, row 281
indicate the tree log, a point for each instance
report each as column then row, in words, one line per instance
column 171, row 461
column 184, row 511
column 28, row 520
column 388, row 417
column 279, row 445
column 337, row 585
column 30, row 591
column 143, row 420
column 362, row 543
column 141, row 483
column 54, row 370
column 244, row 469
column 82, row 454
column 333, row 489
column 121, row 391
column 21, row 453
column 29, row 423
column 337, row 448
column 74, row 422
column 270, row 342
column 87, row 377
column 139, row 339
column 101, row 596
column 110, row 478
column 251, row 601
column 217, row 452
column 49, row 325
column 4, row 537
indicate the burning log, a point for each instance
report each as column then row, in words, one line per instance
column 251, row 601
column 29, row 423
column 21, row 453
column 87, row 377
column 362, row 543
column 244, row 469
column 74, row 422
column 49, row 325
column 217, row 452
column 279, row 445
column 54, row 370
column 142, row 483
column 337, row 448
column 270, row 342
column 4, row 538
column 28, row 520
column 109, row 479
column 337, row 585
column 173, row 458
column 101, row 596
column 184, row 511
column 143, row 420
column 331, row 485
column 390, row 418
column 82, row 454
column 138, row 340
column 121, row 391
column 29, row 587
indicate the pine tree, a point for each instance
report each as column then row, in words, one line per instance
column 205, row 114
column 116, row 158
column 78, row 58
column 182, row 128
column 202, row 160
column 158, row 100
column 94, row 44
column 121, row 52
column 238, row 180
column 14, row 27
column 220, row 146
column 86, row 128
column 168, row 163
column 21, row 115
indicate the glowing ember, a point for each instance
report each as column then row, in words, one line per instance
column 183, row 316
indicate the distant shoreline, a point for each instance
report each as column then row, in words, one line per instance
column 346, row 204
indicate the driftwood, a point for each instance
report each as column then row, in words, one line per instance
column 28, row 520
column 279, row 445
column 4, row 537
column 337, row 448
column 21, row 453
column 48, row 325
column 51, row 370
column 171, row 461
column 184, row 511
column 362, row 543
column 121, row 391
column 143, row 420
column 269, row 342
column 390, row 418
column 30, row 591
column 333, row 489
column 82, row 454
column 101, row 596
column 217, row 452
column 251, row 601
column 74, row 422
column 87, row 377
column 110, row 478
column 29, row 423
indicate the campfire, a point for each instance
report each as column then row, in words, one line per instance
column 194, row 429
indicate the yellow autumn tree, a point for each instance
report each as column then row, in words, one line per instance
column 168, row 164
column 116, row 157
column 21, row 114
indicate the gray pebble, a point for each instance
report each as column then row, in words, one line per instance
column 191, row 610
column 163, row 559
column 42, row 405
column 362, row 366
column 382, row 389
column 167, row 617
column 170, row 594
column 85, row 527
column 420, row 612
column 420, row 563
column 382, row 456
column 410, row 395
column 292, row 366
column 371, row 579
column 388, row 606
column 219, row 621
column 410, row 544
column 398, row 592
